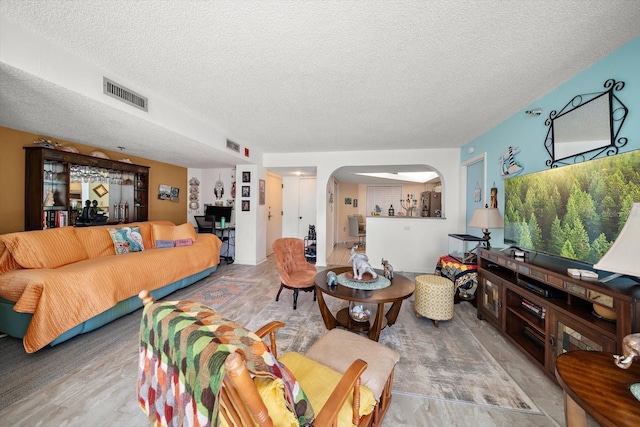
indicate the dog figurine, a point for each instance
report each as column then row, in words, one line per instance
column 388, row 269
column 361, row 264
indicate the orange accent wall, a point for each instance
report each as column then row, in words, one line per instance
column 12, row 179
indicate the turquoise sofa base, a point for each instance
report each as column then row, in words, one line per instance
column 15, row 324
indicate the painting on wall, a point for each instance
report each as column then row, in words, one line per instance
column 261, row 192
column 167, row 192
column 246, row 191
column 347, row 200
column 246, row 205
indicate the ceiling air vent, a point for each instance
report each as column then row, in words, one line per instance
column 233, row 146
column 120, row 92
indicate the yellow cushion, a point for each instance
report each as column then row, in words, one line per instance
column 45, row 248
column 272, row 393
column 318, row 382
column 173, row 232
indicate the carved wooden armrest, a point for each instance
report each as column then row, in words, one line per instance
column 146, row 297
column 240, row 378
column 270, row 329
column 350, row 383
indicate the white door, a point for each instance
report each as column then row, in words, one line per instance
column 274, row 210
column 306, row 205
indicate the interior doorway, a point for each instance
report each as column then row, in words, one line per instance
column 274, row 210
column 307, row 214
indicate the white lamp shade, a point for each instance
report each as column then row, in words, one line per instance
column 486, row 218
column 622, row 256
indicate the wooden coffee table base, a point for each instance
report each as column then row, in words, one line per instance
column 400, row 289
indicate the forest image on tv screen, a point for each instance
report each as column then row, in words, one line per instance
column 574, row 211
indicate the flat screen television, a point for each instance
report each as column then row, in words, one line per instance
column 218, row 212
column 574, row 211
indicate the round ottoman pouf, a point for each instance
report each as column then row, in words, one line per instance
column 434, row 297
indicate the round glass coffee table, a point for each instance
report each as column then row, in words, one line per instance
column 400, row 289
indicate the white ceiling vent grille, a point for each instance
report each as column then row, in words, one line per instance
column 233, row 146
column 120, row 92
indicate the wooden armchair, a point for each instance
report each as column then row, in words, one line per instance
column 243, row 406
column 338, row 396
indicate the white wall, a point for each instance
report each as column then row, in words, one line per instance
column 251, row 226
column 445, row 161
column 409, row 244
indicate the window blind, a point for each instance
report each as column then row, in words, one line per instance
column 383, row 196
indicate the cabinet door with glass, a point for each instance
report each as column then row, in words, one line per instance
column 567, row 334
column 491, row 296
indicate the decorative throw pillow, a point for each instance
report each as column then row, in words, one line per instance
column 165, row 244
column 50, row 248
column 184, row 242
column 126, row 239
column 174, row 232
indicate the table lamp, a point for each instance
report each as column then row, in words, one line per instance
column 486, row 218
column 622, row 257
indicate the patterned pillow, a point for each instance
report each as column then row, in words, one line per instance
column 126, row 239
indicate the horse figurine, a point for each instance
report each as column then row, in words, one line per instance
column 361, row 264
column 388, row 269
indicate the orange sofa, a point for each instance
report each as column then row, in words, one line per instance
column 61, row 282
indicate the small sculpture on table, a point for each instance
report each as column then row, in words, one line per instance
column 388, row 269
column 361, row 264
column 332, row 279
column 630, row 350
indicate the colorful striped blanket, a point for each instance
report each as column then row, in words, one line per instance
column 183, row 347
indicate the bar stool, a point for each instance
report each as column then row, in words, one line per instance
column 434, row 297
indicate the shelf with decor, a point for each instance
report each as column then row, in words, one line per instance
column 545, row 312
column 58, row 183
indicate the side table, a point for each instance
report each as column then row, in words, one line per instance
column 228, row 248
column 463, row 276
column 594, row 385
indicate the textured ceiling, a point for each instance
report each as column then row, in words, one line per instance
column 313, row 76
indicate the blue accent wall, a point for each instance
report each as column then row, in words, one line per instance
column 528, row 133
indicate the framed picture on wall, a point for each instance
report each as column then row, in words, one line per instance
column 355, row 203
column 100, row 190
column 246, row 176
column 164, row 192
column 261, row 191
column 246, row 206
column 246, row 191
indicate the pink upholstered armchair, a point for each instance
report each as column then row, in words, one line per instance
column 294, row 270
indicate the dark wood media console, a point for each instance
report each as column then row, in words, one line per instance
column 545, row 312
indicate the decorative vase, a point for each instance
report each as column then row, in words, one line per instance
column 360, row 312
